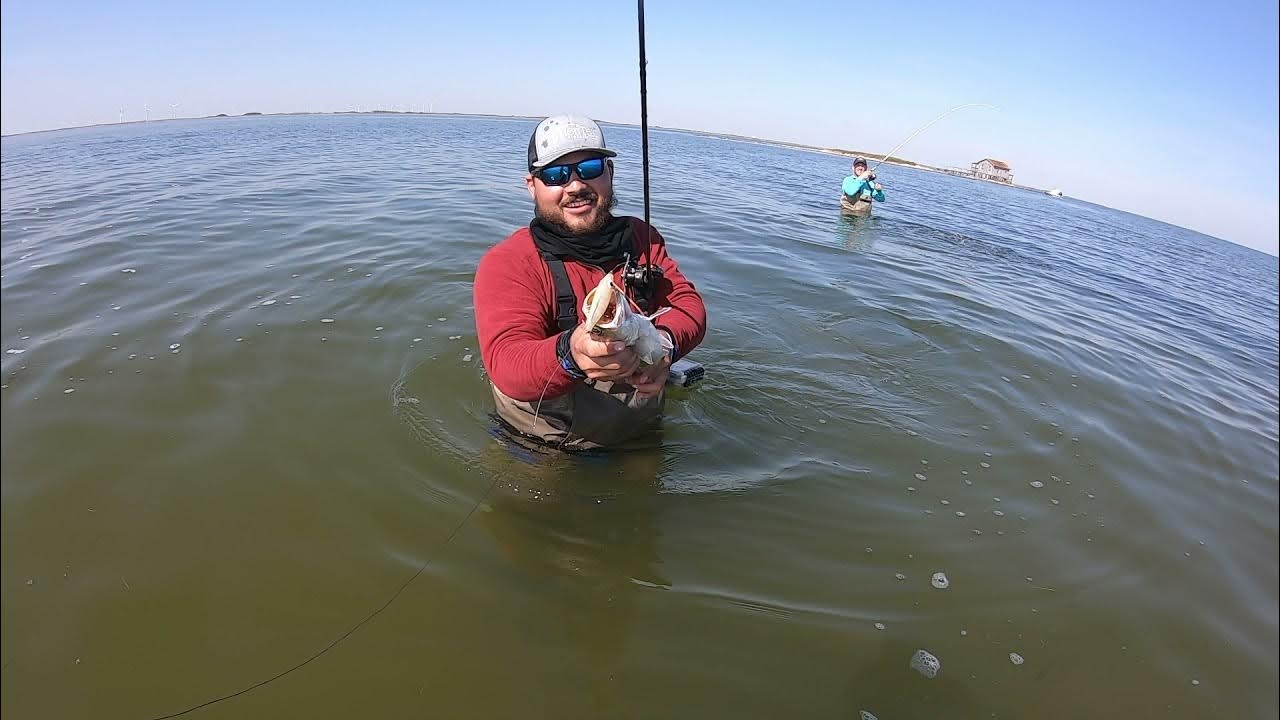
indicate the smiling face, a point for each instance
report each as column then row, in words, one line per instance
column 580, row 207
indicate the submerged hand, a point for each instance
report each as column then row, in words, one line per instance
column 600, row 359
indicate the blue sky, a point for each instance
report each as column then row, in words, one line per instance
column 1164, row 109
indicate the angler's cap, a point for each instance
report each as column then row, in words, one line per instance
column 859, row 161
column 560, row 135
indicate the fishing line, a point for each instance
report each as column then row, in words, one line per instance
column 644, row 139
column 396, row 400
column 926, row 127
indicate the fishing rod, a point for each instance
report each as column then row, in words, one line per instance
column 925, row 127
column 644, row 111
column 684, row 372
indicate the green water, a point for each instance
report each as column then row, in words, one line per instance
column 232, row 483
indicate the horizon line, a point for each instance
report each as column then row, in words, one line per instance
column 726, row 136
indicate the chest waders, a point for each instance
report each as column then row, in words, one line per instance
column 596, row 413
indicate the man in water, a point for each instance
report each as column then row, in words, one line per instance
column 859, row 189
column 551, row 379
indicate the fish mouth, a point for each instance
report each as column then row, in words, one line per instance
column 610, row 312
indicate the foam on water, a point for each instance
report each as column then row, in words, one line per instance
column 926, row 663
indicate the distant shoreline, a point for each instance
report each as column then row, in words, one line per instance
column 840, row 152
column 259, row 114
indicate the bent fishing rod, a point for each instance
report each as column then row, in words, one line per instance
column 922, row 128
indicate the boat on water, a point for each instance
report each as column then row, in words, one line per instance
column 1054, row 192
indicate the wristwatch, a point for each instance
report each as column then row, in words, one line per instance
column 565, row 355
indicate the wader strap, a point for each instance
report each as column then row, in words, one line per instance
column 566, row 301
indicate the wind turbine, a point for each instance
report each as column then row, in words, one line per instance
column 121, row 115
column 174, row 107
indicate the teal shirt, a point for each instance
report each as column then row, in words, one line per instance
column 855, row 188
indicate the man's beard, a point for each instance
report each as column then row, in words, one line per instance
column 556, row 218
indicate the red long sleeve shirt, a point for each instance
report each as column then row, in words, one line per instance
column 515, row 308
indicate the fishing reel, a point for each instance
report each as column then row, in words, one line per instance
column 641, row 278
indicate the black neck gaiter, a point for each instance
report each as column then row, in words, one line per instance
column 604, row 248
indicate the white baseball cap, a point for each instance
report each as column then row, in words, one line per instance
column 560, row 135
